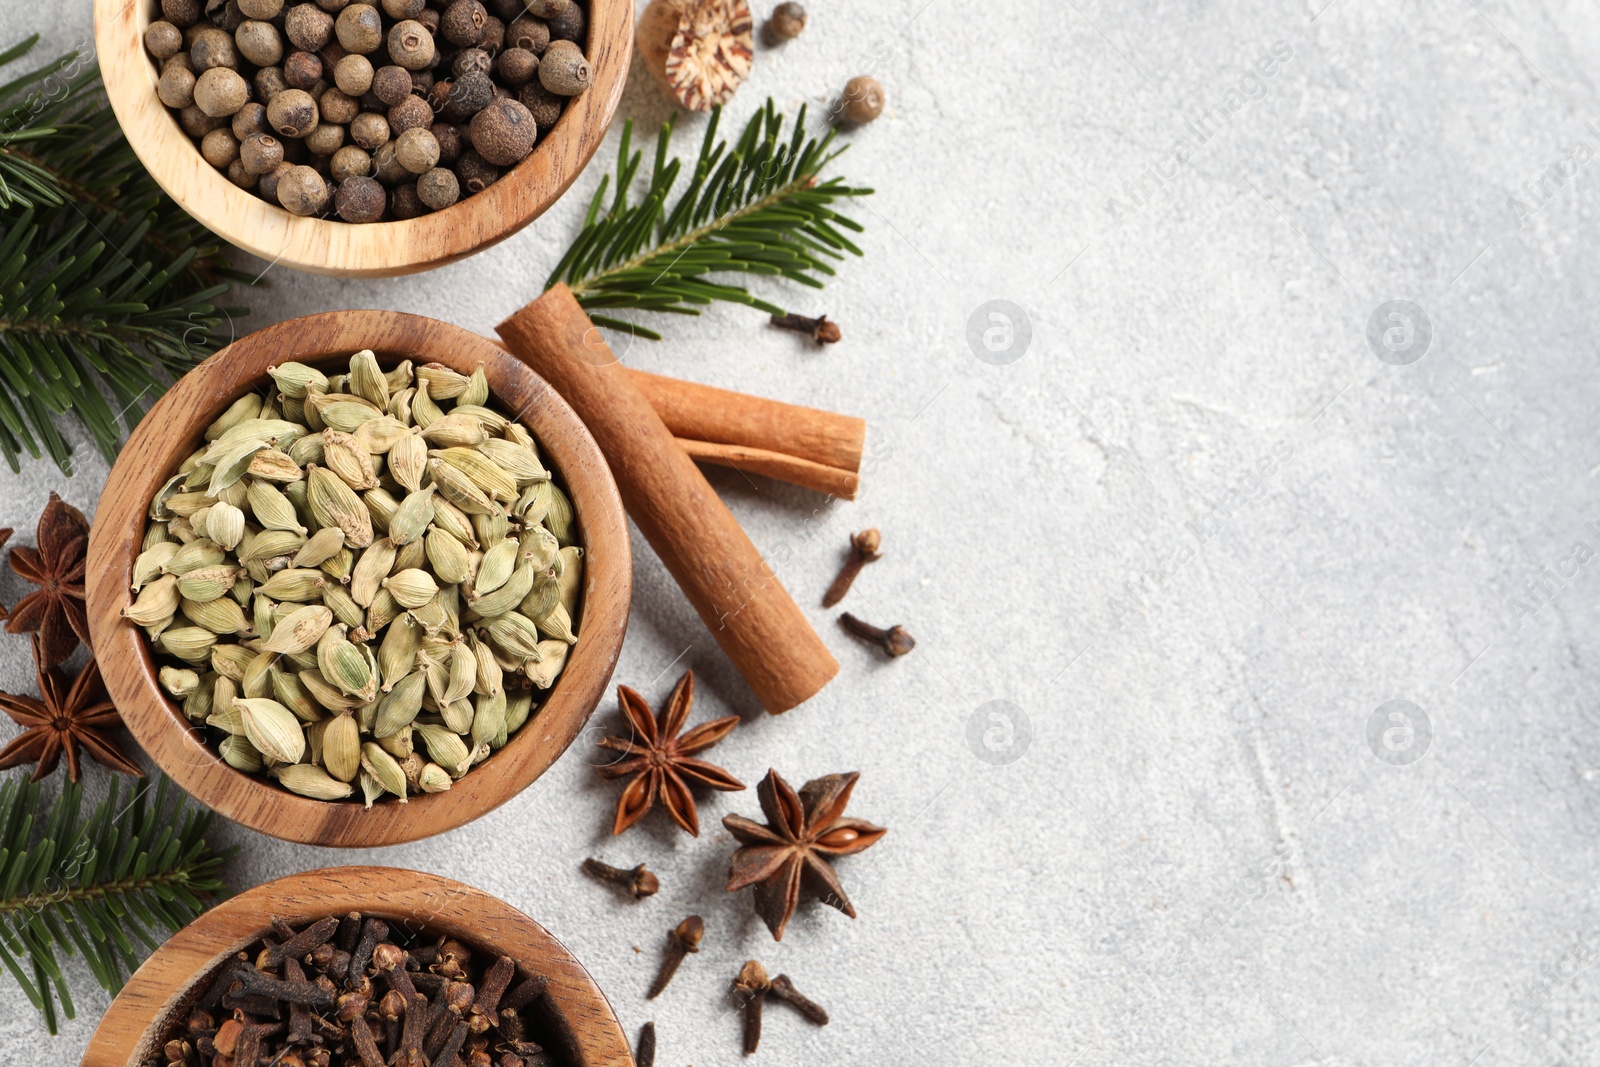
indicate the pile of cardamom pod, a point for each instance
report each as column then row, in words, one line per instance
column 361, row 579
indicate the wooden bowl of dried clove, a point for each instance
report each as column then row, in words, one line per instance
column 175, row 428
column 355, row 934
column 328, row 245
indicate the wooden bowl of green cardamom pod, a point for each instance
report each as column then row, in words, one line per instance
column 275, row 684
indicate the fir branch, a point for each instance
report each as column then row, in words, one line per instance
column 105, row 886
column 107, row 288
column 756, row 208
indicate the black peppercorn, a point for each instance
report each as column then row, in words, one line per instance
column 475, row 172
column 462, row 22
column 302, row 70
column 308, row 26
column 439, row 188
column 503, row 133
column 391, row 84
column 261, row 153
column 181, row 12
column 544, row 105
column 530, row 33
column 569, row 26
column 359, row 200
column 408, row 114
column 516, row 66
column 163, row 39
column 466, row 96
column 405, row 203
column 302, row 191
column 471, row 59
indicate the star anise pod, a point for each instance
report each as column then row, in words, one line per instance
column 661, row 762
column 803, row 834
column 55, row 610
column 61, row 719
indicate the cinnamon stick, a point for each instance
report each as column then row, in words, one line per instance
column 786, row 468
column 734, row 590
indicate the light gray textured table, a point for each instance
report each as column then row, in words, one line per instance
column 1198, row 531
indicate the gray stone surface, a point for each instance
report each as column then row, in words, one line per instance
column 1198, row 533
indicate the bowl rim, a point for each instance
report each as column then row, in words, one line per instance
column 323, row 246
column 174, row 427
column 444, row 905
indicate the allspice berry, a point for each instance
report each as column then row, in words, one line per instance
column 349, row 162
column 301, row 191
column 417, row 150
column 360, row 29
column 476, row 173
column 261, row 153
column 563, row 69
column 308, row 26
column 176, row 86
column 269, row 82
column 219, row 148
column 359, row 199
column 411, row 45
column 267, row 184
column 210, row 48
column 261, row 9
column 788, row 21
column 862, row 100
column 338, row 108
column 545, row 105
column 462, row 22
column 503, row 133
column 292, row 113
column 403, row 9
column 181, row 13
column 197, row 123
column 353, row 75
column 163, row 40
column 219, row 92
column 494, row 35
column 404, row 202
column 259, row 42
column 386, row 168
column 325, row 140
column 408, row 114
column 391, row 84
column 239, row 176
column 569, row 26
column 370, row 130
column 439, row 188
column 249, row 120
column 471, row 59
column 449, row 138
column 464, row 97
column 516, row 66
column 302, row 70
column 529, row 33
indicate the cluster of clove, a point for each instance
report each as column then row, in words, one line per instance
column 345, row 992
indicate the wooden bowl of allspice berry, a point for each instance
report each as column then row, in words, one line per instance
column 353, row 137
column 360, row 967
column 358, row 578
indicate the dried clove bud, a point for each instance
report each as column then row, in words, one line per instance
column 819, row 329
column 784, row 990
column 680, row 942
column 645, row 1053
column 894, row 641
column 864, row 548
column 639, row 881
column 751, row 988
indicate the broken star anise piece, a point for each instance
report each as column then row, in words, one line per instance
column 661, row 762
column 803, row 834
column 61, row 719
column 55, row 610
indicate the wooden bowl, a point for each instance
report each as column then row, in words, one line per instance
column 175, row 426
column 369, row 249
column 575, row 1012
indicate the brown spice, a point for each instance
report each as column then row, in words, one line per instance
column 55, row 611
column 864, row 549
column 894, row 641
column 681, row 940
column 639, row 881
column 61, row 719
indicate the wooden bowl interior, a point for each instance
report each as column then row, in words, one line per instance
column 175, row 426
column 331, row 246
column 573, row 1011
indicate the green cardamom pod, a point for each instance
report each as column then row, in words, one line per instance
column 571, row 579
column 326, row 693
column 320, row 547
column 333, row 503
column 560, row 518
column 155, row 602
column 238, row 753
column 379, row 436
column 370, row 788
column 411, row 588
column 424, row 412
column 294, row 379
column 507, row 597
column 533, row 504
column 489, row 678
column 477, row 390
column 270, row 544
column 488, row 717
column 194, row 555
column 447, row 556
column 397, row 653
column 309, row 450
column 346, row 458
column 433, row 779
column 484, row 473
column 446, row 748
column 274, row 465
column 412, row 518
column 553, row 657
column 557, row 626
column 188, row 643
column 225, row 525
column 245, row 408
column 383, row 611
column 343, row 605
column 519, row 706
column 520, row 463
column 543, row 598
column 297, row 585
column 453, row 521
column 256, row 682
column 288, row 690
column 443, row 382
column 231, row 661
column 343, row 664
column 411, row 556
column 408, row 460
column 225, row 714
column 385, row 769
column 515, row 634
column 272, row 729
column 401, row 706
column 206, row 583
column 463, row 674
column 341, row 747
column 313, row 782
column 455, row 430
column 381, row 506
column 457, row 715
column 177, row 681
column 339, row 565
column 459, row 490
column 300, row 630
column 147, row 566
column 223, row 616
column 367, row 380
